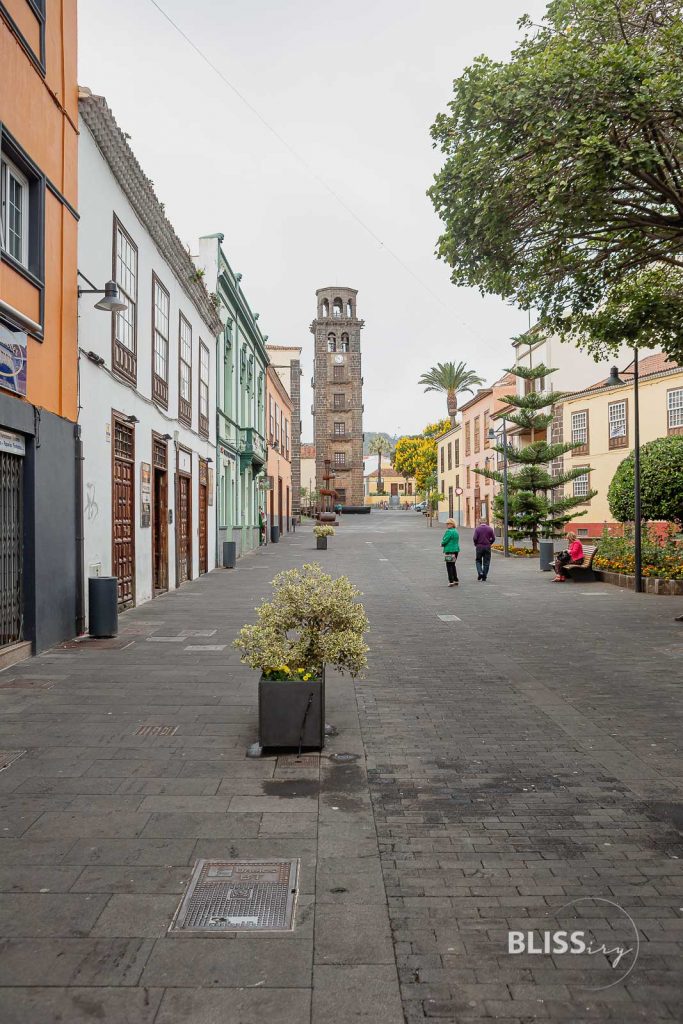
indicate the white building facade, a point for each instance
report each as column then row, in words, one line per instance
column 147, row 378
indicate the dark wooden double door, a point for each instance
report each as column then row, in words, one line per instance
column 123, row 511
column 159, row 514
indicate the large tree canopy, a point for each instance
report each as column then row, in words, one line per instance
column 563, row 169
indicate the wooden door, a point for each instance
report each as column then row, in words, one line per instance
column 279, row 503
column 203, row 518
column 394, row 490
column 123, row 512
column 183, row 528
column 160, row 513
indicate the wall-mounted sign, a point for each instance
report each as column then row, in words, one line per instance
column 14, row 444
column 145, row 494
column 13, row 353
column 107, row 432
column 184, row 461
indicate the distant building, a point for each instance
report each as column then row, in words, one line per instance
column 396, row 490
column 449, row 474
column 338, row 392
column 148, row 378
column 279, row 440
column 476, row 452
column 241, row 401
column 601, row 419
column 286, row 360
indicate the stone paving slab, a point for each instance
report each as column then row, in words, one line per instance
column 495, row 784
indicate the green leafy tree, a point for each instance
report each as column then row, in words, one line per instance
column 562, row 184
column 453, row 379
column 380, row 446
column 534, row 509
column 661, row 483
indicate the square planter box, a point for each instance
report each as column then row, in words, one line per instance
column 282, row 705
column 321, row 543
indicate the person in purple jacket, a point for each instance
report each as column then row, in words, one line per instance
column 483, row 539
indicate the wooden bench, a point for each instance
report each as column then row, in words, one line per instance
column 582, row 570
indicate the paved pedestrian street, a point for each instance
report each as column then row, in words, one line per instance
column 519, row 771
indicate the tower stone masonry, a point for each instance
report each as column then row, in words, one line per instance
column 338, row 392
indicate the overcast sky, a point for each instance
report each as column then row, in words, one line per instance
column 353, row 88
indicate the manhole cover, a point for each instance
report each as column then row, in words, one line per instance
column 298, row 761
column 157, row 730
column 343, row 758
column 26, row 684
column 239, row 896
column 7, row 757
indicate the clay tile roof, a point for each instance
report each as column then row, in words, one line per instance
column 139, row 191
column 307, row 451
column 657, row 363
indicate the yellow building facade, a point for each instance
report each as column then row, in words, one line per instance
column 396, row 490
column 601, row 421
column 449, row 472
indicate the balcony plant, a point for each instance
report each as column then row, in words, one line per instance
column 321, row 532
column 311, row 621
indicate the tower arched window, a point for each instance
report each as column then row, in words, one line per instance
column 345, row 343
column 331, row 343
column 337, row 308
column 325, row 308
column 349, row 308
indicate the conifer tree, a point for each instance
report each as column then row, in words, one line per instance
column 534, row 511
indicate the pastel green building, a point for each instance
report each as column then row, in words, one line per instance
column 241, row 362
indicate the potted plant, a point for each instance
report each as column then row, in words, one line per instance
column 311, row 621
column 322, row 531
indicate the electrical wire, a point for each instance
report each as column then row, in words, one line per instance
column 308, row 167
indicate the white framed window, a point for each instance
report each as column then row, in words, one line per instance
column 580, row 485
column 160, row 324
column 126, row 277
column 203, row 388
column 616, row 415
column 15, row 212
column 185, row 370
column 674, row 410
column 580, row 428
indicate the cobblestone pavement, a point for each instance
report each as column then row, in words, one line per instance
column 521, row 772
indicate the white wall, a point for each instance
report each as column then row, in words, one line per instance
column 99, row 198
column 575, row 368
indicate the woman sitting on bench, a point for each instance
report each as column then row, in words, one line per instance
column 574, row 556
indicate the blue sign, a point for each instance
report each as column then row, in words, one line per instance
column 13, row 354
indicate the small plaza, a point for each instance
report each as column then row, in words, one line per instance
column 516, row 750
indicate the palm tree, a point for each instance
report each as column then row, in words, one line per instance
column 454, row 379
column 379, row 446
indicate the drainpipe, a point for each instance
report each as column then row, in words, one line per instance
column 80, row 560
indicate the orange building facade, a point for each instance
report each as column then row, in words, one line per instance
column 477, row 452
column 39, row 442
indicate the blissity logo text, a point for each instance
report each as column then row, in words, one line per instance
column 611, row 936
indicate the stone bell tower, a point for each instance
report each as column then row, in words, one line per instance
column 338, row 392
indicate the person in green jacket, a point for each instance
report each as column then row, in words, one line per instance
column 450, row 542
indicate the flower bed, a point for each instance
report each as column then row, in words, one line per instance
column 662, row 555
column 517, row 552
column 651, row 584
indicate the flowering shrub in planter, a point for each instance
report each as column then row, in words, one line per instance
column 323, row 530
column 312, row 620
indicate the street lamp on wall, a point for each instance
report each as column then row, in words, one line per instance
column 112, row 301
column 492, row 437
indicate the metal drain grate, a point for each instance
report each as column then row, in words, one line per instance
column 301, row 761
column 157, row 730
column 8, row 757
column 239, row 896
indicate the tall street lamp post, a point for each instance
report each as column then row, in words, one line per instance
column 614, row 379
column 492, row 437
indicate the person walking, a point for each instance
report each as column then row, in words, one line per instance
column 450, row 542
column 483, row 538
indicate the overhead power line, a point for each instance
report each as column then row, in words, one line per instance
column 308, row 167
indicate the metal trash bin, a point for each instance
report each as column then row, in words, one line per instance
column 103, row 603
column 274, row 534
column 547, row 555
column 229, row 554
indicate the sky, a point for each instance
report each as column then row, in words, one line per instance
column 352, row 88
